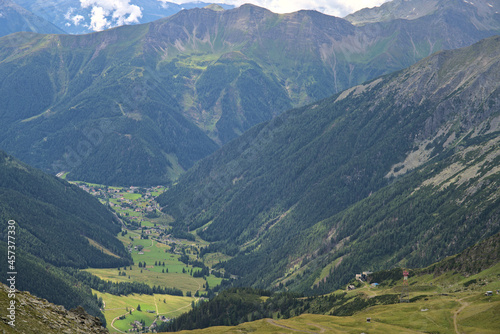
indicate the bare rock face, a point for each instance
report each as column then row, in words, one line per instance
column 35, row 315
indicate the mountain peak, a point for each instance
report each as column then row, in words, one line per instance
column 215, row 7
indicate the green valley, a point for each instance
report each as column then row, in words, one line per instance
column 56, row 226
column 238, row 170
column 162, row 259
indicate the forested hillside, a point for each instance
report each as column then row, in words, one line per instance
column 139, row 105
column 49, row 282
column 55, row 220
column 54, row 224
column 402, row 170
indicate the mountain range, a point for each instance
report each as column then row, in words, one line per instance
column 302, row 148
column 402, row 170
column 139, row 105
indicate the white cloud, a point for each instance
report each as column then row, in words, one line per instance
column 77, row 19
column 110, row 13
column 338, row 8
column 67, row 16
column 98, row 19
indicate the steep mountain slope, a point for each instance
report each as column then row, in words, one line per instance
column 140, row 104
column 56, row 220
column 471, row 261
column 75, row 18
column 400, row 170
column 14, row 18
column 50, row 223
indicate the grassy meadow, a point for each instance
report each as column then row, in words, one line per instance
column 449, row 303
column 164, row 305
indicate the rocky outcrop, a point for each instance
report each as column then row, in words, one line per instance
column 35, row 315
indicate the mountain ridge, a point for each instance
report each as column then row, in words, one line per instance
column 316, row 177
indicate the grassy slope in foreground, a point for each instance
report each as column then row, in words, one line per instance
column 443, row 304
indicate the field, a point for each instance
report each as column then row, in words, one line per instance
column 435, row 315
column 154, row 252
column 162, row 305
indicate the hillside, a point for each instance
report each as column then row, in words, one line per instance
column 55, row 220
column 402, row 170
column 14, row 18
column 55, row 224
column 35, row 315
column 139, row 105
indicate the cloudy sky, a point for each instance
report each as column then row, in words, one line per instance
column 332, row 7
column 110, row 13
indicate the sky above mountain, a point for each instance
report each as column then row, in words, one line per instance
column 338, row 8
column 110, row 13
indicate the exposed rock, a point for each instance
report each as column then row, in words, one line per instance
column 35, row 315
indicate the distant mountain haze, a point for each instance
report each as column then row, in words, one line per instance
column 14, row 18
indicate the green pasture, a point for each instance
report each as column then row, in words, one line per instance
column 116, row 306
column 131, row 196
column 153, row 275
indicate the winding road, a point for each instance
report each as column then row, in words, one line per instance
column 118, row 317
